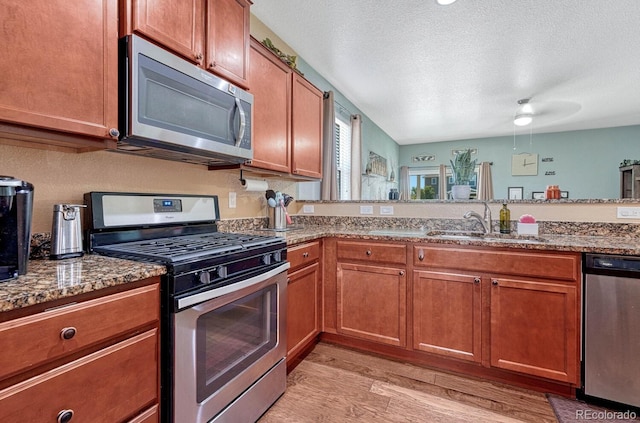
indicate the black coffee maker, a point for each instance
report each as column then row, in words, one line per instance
column 16, row 208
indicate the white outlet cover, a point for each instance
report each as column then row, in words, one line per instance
column 366, row 209
column 232, row 199
column 628, row 213
column 386, row 210
column 308, row 208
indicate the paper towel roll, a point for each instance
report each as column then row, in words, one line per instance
column 255, row 185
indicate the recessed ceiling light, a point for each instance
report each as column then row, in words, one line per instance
column 445, row 2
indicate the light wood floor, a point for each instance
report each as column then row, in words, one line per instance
column 334, row 384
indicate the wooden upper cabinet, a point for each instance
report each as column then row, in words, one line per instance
column 177, row 25
column 59, row 66
column 306, row 143
column 270, row 82
column 287, row 117
column 228, row 39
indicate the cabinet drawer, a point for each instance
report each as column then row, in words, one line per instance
column 372, row 252
column 110, row 385
column 34, row 340
column 550, row 265
column 302, row 254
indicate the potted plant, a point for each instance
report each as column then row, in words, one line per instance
column 463, row 170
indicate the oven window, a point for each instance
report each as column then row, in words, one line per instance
column 231, row 338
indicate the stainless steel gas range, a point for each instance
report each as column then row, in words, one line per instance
column 223, row 302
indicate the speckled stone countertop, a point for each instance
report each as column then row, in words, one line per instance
column 48, row 280
column 575, row 243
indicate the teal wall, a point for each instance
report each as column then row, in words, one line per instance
column 585, row 162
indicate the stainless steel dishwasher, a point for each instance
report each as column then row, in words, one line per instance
column 612, row 328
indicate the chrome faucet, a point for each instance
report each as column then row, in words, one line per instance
column 485, row 221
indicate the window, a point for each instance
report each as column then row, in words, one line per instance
column 424, row 183
column 343, row 156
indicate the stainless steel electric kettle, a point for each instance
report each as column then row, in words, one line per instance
column 66, row 232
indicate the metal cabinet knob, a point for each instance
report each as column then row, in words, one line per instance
column 476, row 280
column 421, row 255
column 65, row 416
column 494, row 282
column 401, row 273
column 199, row 57
column 305, row 255
column 68, row 333
column 368, row 252
column 113, row 132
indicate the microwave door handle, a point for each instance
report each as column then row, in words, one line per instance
column 243, row 122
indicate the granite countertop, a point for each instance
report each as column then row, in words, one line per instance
column 575, row 243
column 48, row 280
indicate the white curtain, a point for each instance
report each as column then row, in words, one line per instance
column 356, row 156
column 485, row 182
column 329, row 189
column 442, row 182
column 403, row 183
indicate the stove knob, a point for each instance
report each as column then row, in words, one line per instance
column 266, row 259
column 204, row 278
column 277, row 256
column 222, row 271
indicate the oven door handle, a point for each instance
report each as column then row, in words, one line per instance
column 224, row 290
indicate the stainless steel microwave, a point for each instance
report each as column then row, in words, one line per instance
column 174, row 110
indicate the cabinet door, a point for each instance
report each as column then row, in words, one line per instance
column 177, row 25
column 306, row 134
column 303, row 309
column 372, row 303
column 270, row 81
column 534, row 328
column 59, row 65
column 447, row 312
column 228, row 39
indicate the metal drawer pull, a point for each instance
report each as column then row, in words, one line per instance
column 305, row 255
column 368, row 252
column 401, row 273
column 494, row 282
column 476, row 280
column 65, row 416
column 420, row 255
column 68, row 333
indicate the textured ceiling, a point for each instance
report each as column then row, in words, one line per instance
column 426, row 73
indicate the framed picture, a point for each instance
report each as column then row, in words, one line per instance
column 564, row 194
column 515, row 193
column 537, row 195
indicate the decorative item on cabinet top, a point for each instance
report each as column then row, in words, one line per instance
column 290, row 60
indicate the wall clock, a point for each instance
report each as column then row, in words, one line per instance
column 524, row 164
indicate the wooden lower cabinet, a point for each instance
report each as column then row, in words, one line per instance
column 447, row 314
column 91, row 361
column 107, row 386
column 304, row 304
column 519, row 311
column 371, row 303
column 534, row 328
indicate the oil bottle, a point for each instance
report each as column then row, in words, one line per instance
column 505, row 219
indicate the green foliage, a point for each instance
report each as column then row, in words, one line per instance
column 463, row 168
column 426, row 193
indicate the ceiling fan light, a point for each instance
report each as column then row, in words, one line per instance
column 523, row 119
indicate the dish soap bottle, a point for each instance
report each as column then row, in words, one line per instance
column 505, row 219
